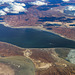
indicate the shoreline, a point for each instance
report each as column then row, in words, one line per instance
column 32, row 27
column 24, row 48
column 36, row 27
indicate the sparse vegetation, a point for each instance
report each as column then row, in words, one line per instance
column 62, row 52
column 21, row 65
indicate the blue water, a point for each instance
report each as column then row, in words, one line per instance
column 32, row 38
column 72, row 25
column 55, row 1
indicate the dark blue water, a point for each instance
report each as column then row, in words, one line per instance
column 65, row 4
column 32, row 38
column 52, row 25
column 71, row 13
column 46, row 7
column 55, row 1
column 52, row 19
column 72, row 25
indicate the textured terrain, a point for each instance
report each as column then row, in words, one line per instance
column 47, row 61
column 38, row 16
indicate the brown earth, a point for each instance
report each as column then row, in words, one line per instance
column 32, row 17
column 6, row 70
column 67, row 32
column 9, row 50
column 46, row 60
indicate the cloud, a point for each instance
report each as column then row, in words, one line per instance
column 39, row 3
column 2, row 12
column 6, row 9
column 6, row 1
column 65, row 0
column 13, row 7
column 70, row 8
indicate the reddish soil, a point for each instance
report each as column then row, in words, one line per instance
column 67, row 32
column 44, row 55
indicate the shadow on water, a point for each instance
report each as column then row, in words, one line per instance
column 60, row 19
column 46, row 7
column 55, row 1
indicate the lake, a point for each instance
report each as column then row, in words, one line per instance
column 33, row 38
